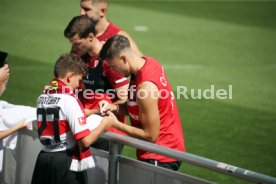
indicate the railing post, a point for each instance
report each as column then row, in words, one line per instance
column 113, row 162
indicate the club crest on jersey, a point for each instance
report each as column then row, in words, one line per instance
column 82, row 121
column 54, row 85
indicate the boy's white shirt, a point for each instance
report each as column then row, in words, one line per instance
column 10, row 115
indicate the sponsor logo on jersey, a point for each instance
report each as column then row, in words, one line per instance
column 56, row 146
column 82, row 121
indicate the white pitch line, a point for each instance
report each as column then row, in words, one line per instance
column 141, row 28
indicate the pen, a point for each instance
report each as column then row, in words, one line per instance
column 103, row 108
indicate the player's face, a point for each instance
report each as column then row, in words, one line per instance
column 92, row 11
column 81, row 46
column 120, row 65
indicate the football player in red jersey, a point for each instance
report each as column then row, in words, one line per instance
column 81, row 34
column 101, row 80
column 96, row 10
column 151, row 105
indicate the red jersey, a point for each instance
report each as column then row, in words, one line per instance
column 170, row 134
column 101, row 79
column 114, row 78
column 100, row 76
column 111, row 31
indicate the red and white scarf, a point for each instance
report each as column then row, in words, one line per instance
column 82, row 157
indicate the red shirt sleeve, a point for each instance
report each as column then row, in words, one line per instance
column 115, row 78
column 82, row 134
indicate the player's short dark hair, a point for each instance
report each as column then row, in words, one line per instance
column 81, row 25
column 113, row 46
column 69, row 63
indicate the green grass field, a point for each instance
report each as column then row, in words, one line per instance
column 200, row 43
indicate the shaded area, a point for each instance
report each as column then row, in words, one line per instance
column 260, row 14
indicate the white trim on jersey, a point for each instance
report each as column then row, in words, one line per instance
column 120, row 80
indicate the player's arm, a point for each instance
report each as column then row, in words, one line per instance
column 89, row 112
column 121, row 93
column 148, row 113
column 119, row 107
column 119, row 83
column 104, row 107
column 95, row 133
column 77, row 121
column 132, row 43
column 20, row 125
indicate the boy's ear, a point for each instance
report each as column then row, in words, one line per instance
column 69, row 76
column 103, row 10
column 91, row 36
column 124, row 59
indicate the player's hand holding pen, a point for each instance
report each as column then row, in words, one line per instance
column 104, row 106
column 110, row 119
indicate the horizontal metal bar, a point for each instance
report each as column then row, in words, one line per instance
column 192, row 159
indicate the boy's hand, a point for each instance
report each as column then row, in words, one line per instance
column 22, row 124
column 110, row 119
column 4, row 73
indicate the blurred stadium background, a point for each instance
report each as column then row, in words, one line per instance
column 200, row 43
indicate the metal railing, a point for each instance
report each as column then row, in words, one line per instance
column 181, row 156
